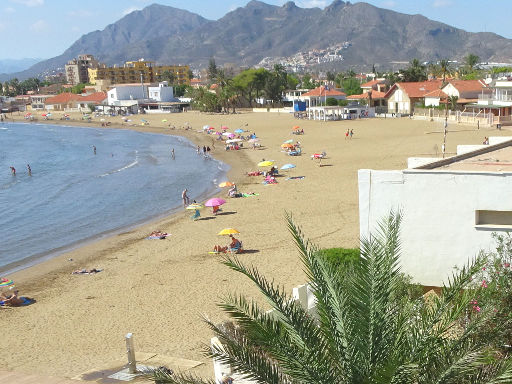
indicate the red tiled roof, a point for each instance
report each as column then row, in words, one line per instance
column 417, row 89
column 468, row 85
column 96, row 97
column 67, row 97
column 61, row 98
column 436, row 93
column 375, row 95
column 322, row 91
column 370, row 84
column 195, row 81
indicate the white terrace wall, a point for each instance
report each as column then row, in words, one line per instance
column 440, row 229
column 302, row 294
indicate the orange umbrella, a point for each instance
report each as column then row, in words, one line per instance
column 226, row 184
column 295, row 127
column 286, row 145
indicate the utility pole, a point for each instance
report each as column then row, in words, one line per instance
column 445, row 127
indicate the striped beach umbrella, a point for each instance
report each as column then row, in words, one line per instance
column 6, row 282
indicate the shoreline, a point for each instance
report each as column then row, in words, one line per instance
column 158, row 290
column 41, row 257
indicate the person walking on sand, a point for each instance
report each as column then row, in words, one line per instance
column 346, row 134
column 13, row 171
column 185, row 197
column 198, row 150
column 29, row 170
column 173, row 155
column 351, row 133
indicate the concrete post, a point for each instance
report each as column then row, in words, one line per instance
column 130, row 351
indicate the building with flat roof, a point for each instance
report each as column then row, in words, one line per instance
column 139, row 71
column 450, row 207
column 77, row 69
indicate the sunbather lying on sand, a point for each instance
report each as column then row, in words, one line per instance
column 158, row 235
column 85, row 271
column 11, row 300
column 255, row 173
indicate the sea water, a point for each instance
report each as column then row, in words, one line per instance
column 75, row 194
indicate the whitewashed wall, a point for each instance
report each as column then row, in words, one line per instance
column 438, row 230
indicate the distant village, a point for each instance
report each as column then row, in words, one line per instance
column 470, row 91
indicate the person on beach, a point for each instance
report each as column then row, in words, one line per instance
column 11, row 300
column 13, row 171
column 198, row 150
column 346, row 134
column 29, row 170
column 173, row 155
column 351, row 133
column 94, row 149
column 204, row 150
column 185, row 197
column 208, row 150
column 234, row 246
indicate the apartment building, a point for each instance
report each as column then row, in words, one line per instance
column 77, row 69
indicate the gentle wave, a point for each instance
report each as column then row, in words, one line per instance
column 132, row 164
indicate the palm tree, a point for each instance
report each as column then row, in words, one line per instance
column 444, row 67
column 362, row 332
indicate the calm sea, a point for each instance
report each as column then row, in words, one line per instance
column 75, row 195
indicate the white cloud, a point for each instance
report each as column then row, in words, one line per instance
column 130, row 10
column 9, row 10
column 312, row 3
column 29, row 3
column 39, row 26
column 442, row 3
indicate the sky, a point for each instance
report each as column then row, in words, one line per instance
column 46, row 28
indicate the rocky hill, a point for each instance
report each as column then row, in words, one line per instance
column 248, row 34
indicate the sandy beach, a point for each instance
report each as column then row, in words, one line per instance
column 158, row 289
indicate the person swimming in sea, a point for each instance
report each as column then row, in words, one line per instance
column 29, row 170
column 13, row 171
column 94, row 149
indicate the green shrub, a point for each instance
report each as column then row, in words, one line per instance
column 340, row 257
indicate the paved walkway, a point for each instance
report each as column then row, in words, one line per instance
column 19, row 378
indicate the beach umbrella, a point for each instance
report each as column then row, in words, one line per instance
column 288, row 166
column 144, row 121
column 266, row 164
column 234, row 141
column 164, row 121
column 211, row 129
column 205, row 127
column 226, row 133
column 295, row 127
column 224, row 127
column 286, row 145
column 44, row 114
column 231, row 135
column 239, row 130
column 226, row 184
column 288, row 141
column 218, row 133
column 215, row 202
column 253, row 140
column 228, row 231
column 195, row 206
column 5, row 282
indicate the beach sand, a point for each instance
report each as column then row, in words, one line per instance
column 159, row 289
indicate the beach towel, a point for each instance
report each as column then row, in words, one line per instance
column 86, row 272
column 163, row 236
column 26, row 301
column 250, row 194
column 295, row 178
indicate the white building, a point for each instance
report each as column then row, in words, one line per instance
column 450, row 207
column 160, row 93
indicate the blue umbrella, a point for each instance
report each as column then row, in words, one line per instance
column 288, row 166
column 239, row 130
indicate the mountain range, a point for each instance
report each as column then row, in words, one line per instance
column 248, row 34
column 16, row 65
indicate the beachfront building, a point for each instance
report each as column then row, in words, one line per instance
column 319, row 95
column 148, row 97
column 37, row 102
column 77, row 69
column 71, row 102
column 497, row 102
column 450, row 207
column 402, row 96
column 139, row 71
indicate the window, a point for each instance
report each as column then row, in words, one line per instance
column 493, row 219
